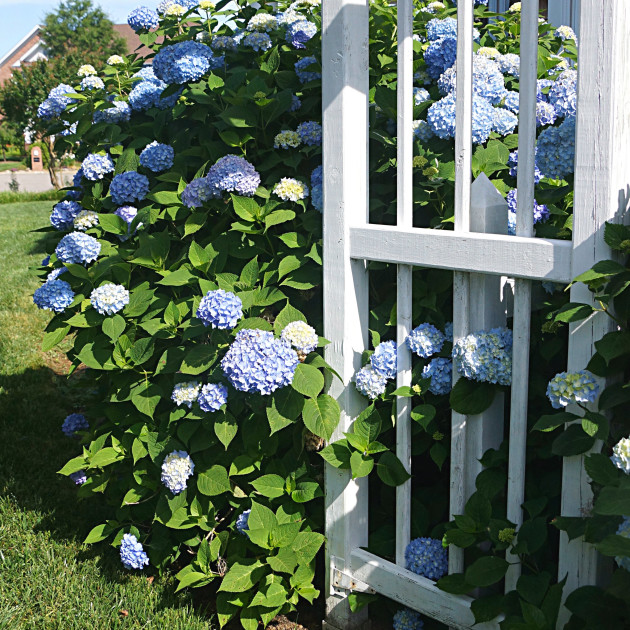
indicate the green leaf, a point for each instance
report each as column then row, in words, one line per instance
column 337, row 454
column 614, row 395
column 284, row 561
column 423, row 414
column 243, row 576
column 321, row 416
column 306, row 545
column 214, row 481
column 226, row 429
column 113, row 224
column 600, row 270
column 286, row 406
column 573, row 312
column 455, row 584
column 460, row 538
column 614, row 546
column 105, row 457
column 139, row 302
column 617, row 236
column 368, row 424
column 177, row 278
column 613, row 345
column 279, row 216
column 198, row 360
column 128, row 161
column 146, row 398
column 471, row 398
column 198, row 256
column 74, row 465
column 553, row 421
column 307, row 380
column 601, row 470
column 306, row 491
column 361, row 465
column 98, row 533
column 572, row 441
column 114, row 326
column 270, row 486
column 391, row 470
column 487, row 608
column 245, row 207
column 613, row 502
column 287, row 315
column 486, row 571
column 53, row 337
column 479, row 508
column 142, row 350
column 165, row 198
column 190, row 579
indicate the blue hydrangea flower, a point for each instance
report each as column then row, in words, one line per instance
column 127, row 214
column 448, row 331
column 109, row 298
column 545, row 114
column 624, row 530
column 384, row 360
column 74, row 423
column 78, row 248
column 407, row 619
column 79, row 477
column 223, row 42
column 257, row 41
column 425, row 340
column 232, row 173
column 509, row 64
column 56, row 102
column 176, row 469
column 129, row 187
column 119, row 112
column 257, row 362
column 220, row 309
column 441, row 118
column 488, row 82
column 440, row 371
column 556, row 150
column 541, row 212
column 92, row 83
column 143, row 18
column 504, row 121
column 436, row 29
column 564, row 33
column 157, row 157
column 420, row 95
column 148, row 92
column 485, row 356
column 568, row 388
column 198, row 192
column 63, row 214
column 212, row 397
column 543, row 84
column 186, row 393
column 184, row 61
column 304, row 68
column 310, row 133
column 300, row 336
column 69, row 130
column 563, row 93
column 512, row 102
column 132, row 553
column 440, row 55
column 54, row 295
column 300, row 32
column 369, row 382
column 242, row 522
column 427, row 557
column 55, row 273
column 513, row 164
column 316, row 188
column 422, row 130
column 621, row 455
column 96, row 166
column 296, row 103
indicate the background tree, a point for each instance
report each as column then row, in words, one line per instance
column 77, row 32
column 9, row 137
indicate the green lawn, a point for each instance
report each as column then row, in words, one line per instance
column 48, row 578
column 7, row 166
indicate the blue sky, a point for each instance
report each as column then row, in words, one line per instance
column 18, row 18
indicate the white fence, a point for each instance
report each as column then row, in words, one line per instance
column 478, row 258
column 559, row 12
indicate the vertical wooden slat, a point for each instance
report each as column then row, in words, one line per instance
column 345, row 149
column 522, row 288
column 404, row 272
column 461, row 288
column 602, row 182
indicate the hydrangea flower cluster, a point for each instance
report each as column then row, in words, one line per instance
column 427, row 557
column 441, row 118
column 129, row 187
column 115, row 60
column 73, row 423
column 568, row 388
column 85, row 220
column 512, row 102
column 263, row 22
column 184, row 61
column 564, row 33
column 78, row 248
column 436, row 29
column 55, row 273
column 257, row 41
column 300, row 336
column 148, row 92
column 425, row 340
column 296, row 103
column 509, row 64
column 369, row 382
column 143, row 18
column 56, row 103
column 541, row 212
column 212, row 397
column 127, row 214
column 54, row 295
column 504, row 121
column 485, row 356
column 440, row 55
column 257, row 362
column 488, row 81
column 132, row 553
column 224, row 42
column 96, row 166
column 545, row 114
column 624, row 530
column 242, row 522
column 109, row 298
column 304, row 69
column 86, row 70
column 290, row 189
column 621, row 455
column 79, row 477
column 232, row 173
column 556, row 149
column 317, row 198
column 384, row 360
column 157, row 157
column 440, row 371
column 407, row 619
column 287, row 139
column 119, row 112
column 176, row 469
column 197, row 193
column 63, row 214
column 300, row 32
column 92, row 83
column 186, row 393
column 563, row 93
column 310, row 133
column 420, row 95
column 513, row 164
column 220, row 309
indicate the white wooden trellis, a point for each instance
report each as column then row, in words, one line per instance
column 476, row 256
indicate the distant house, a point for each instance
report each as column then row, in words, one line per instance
column 31, row 48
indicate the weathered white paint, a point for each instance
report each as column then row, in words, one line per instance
column 494, row 254
column 602, row 192
column 345, row 103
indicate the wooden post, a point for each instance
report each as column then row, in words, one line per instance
column 345, row 107
column 602, row 185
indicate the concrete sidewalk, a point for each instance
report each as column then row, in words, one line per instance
column 34, row 182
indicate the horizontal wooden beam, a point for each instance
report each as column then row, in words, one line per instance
column 415, row 592
column 495, row 254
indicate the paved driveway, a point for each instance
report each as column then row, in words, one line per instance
column 33, row 182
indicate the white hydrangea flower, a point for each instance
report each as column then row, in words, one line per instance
column 207, row 5
column 290, row 189
column 175, row 10
column 515, row 8
column 176, row 470
column 621, row 455
column 301, row 336
column 115, row 60
column 85, row 220
column 262, row 22
column 86, row 70
column 186, row 393
column 487, row 51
